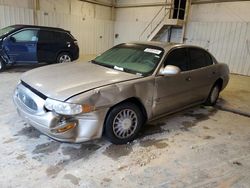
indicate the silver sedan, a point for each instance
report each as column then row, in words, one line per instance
column 119, row 91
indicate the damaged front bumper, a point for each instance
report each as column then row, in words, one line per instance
column 74, row 129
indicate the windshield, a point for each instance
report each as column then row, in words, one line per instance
column 132, row 58
column 6, row 30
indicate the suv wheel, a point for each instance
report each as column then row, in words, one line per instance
column 2, row 65
column 63, row 58
column 123, row 123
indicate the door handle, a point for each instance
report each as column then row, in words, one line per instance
column 188, row 79
column 213, row 72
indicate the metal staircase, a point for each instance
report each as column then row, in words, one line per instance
column 167, row 18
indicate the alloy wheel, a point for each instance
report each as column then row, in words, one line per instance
column 64, row 59
column 125, row 123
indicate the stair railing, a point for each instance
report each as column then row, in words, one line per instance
column 155, row 22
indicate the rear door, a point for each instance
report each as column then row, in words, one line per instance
column 47, row 46
column 202, row 73
column 50, row 44
column 173, row 92
column 22, row 46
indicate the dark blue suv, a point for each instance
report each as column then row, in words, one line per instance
column 34, row 44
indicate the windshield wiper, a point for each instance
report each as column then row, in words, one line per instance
column 116, row 67
column 102, row 64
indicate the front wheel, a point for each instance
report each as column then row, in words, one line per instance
column 63, row 58
column 213, row 95
column 123, row 123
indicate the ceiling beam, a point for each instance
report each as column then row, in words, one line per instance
column 115, row 5
column 98, row 3
column 214, row 1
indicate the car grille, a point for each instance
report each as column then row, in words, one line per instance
column 27, row 100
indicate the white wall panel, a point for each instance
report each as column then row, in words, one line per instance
column 13, row 15
column 229, row 42
column 17, row 3
column 94, row 36
column 237, row 11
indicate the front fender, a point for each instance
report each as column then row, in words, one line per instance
column 108, row 96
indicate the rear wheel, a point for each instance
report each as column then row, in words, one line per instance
column 213, row 95
column 2, row 65
column 123, row 123
column 63, row 58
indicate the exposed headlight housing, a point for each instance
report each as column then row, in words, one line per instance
column 65, row 108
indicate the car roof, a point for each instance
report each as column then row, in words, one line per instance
column 20, row 26
column 165, row 45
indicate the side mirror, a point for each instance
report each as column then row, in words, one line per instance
column 169, row 70
column 12, row 39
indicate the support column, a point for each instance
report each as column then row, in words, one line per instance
column 36, row 7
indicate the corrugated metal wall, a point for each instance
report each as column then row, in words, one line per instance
column 94, row 36
column 229, row 42
column 13, row 15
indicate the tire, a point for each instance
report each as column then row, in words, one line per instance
column 213, row 95
column 123, row 123
column 2, row 65
column 63, row 57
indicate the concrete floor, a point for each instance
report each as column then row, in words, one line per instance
column 199, row 147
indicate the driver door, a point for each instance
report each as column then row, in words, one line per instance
column 172, row 92
column 22, row 46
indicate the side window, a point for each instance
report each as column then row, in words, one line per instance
column 57, row 36
column 177, row 57
column 199, row 58
column 46, row 36
column 25, row 36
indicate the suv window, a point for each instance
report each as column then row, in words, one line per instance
column 48, row 36
column 25, row 36
column 199, row 58
column 177, row 57
column 63, row 36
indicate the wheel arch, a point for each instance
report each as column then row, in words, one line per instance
column 133, row 100
column 219, row 81
column 63, row 51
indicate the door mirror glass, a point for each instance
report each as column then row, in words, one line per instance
column 169, row 70
column 12, row 39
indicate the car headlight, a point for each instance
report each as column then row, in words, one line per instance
column 65, row 108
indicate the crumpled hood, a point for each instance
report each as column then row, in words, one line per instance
column 61, row 81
